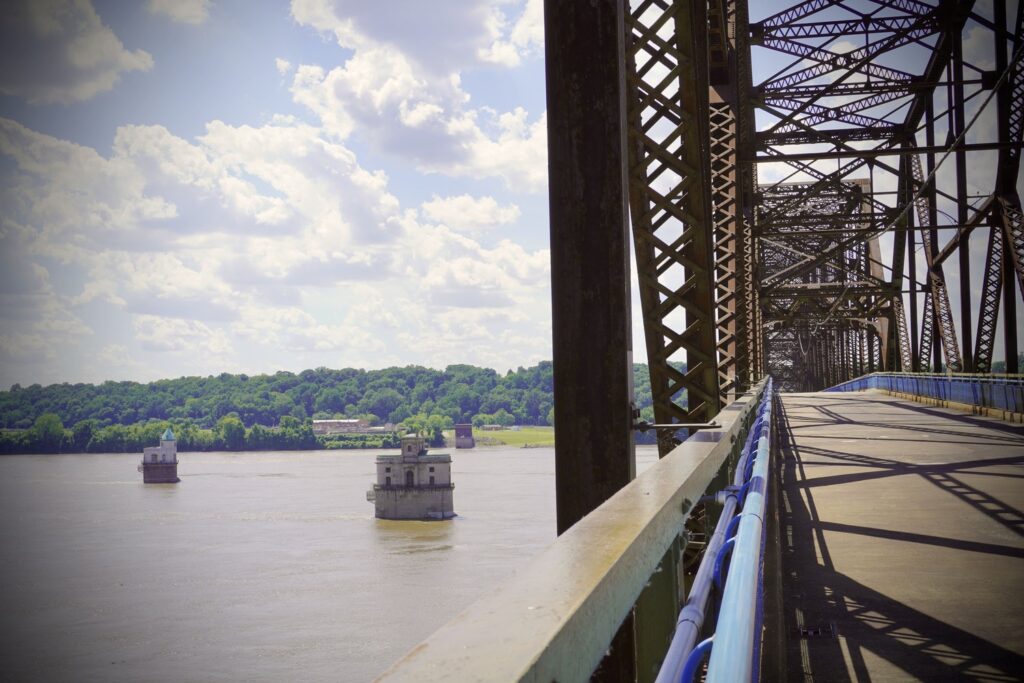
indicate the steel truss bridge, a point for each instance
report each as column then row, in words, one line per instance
column 852, row 208
column 810, row 196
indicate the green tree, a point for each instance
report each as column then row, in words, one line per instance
column 380, row 402
column 435, row 426
column 289, row 422
column 330, row 402
column 232, row 432
column 48, row 433
column 81, row 434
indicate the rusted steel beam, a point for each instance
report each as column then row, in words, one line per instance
column 671, row 207
column 589, row 254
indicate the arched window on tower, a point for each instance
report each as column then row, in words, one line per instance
column 409, row 478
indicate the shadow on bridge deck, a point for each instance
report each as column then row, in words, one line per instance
column 903, row 541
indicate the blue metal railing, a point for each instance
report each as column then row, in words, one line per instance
column 1001, row 392
column 557, row 616
column 737, row 637
column 735, row 645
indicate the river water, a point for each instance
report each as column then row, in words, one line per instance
column 255, row 567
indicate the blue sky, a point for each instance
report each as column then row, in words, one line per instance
column 198, row 187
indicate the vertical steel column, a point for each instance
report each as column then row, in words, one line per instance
column 725, row 217
column 931, row 245
column 590, row 288
column 670, row 205
column 967, row 360
column 936, row 278
column 915, row 349
column 1009, row 310
column 1010, row 122
column 589, row 255
column 751, row 368
column 871, row 351
column 991, row 291
column 731, row 184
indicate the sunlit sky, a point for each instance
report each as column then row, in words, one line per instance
column 194, row 186
column 198, row 187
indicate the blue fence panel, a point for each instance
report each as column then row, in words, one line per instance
column 1004, row 393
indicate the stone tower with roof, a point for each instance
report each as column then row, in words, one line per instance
column 160, row 463
column 412, row 484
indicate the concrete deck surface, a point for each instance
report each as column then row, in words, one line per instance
column 903, row 541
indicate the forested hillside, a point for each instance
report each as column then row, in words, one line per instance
column 275, row 411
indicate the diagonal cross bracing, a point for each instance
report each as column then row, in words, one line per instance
column 790, row 222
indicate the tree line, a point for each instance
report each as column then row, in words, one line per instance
column 275, row 412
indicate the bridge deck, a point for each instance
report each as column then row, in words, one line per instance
column 903, row 533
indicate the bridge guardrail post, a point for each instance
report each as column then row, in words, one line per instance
column 655, row 614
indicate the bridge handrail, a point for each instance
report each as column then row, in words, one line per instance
column 1001, row 392
column 737, row 637
column 555, row 618
column 739, row 502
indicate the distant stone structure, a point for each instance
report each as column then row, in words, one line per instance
column 160, row 463
column 339, row 426
column 464, row 436
column 412, row 484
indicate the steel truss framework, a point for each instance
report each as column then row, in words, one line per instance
column 852, row 206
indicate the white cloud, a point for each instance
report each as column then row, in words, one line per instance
column 69, row 195
column 295, row 330
column 440, row 37
column 60, row 52
column 220, row 251
column 472, row 215
column 37, row 322
column 270, row 237
column 176, row 334
column 392, row 107
column 401, row 87
column 526, row 36
column 182, row 11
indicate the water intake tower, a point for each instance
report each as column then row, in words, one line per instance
column 412, row 484
column 160, row 463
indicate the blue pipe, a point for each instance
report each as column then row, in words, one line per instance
column 720, row 559
column 755, row 660
column 691, row 617
column 695, row 659
column 734, row 523
column 732, row 659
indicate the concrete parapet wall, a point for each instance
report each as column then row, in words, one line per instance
column 997, row 413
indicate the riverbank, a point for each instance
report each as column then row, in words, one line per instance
column 256, row 439
column 526, row 437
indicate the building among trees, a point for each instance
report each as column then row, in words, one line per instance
column 340, row 426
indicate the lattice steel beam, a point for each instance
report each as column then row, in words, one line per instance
column 808, row 244
column 936, row 278
column 670, row 204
